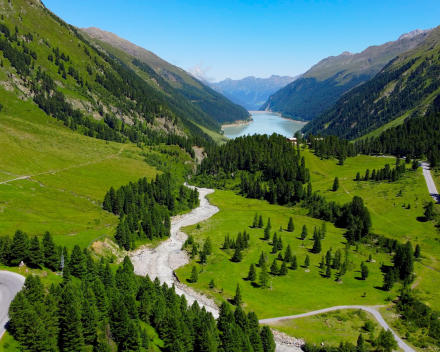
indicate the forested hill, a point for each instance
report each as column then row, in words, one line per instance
column 47, row 61
column 325, row 82
column 406, row 87
column 177, row 83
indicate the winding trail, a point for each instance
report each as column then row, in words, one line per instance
column 10, row 285
column 371, row 310
column 164, row 259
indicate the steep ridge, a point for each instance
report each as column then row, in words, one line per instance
column 251, row 92
column 181, row 86
column 47, row 61
column 325, row 82
column 406, row 87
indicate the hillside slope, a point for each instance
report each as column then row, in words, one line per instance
column 325, row 82
column 251, row 92
column 406, row 87
column 181, row 84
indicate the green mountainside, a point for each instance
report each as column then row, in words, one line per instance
column 174, row 80
column 321, row 86
column 49, row 62
column 406, row 87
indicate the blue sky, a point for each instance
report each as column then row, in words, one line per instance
column 243, row 38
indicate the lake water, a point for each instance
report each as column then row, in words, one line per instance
column 264, row 123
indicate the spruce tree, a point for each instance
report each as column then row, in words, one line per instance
column 328, row 272
column 267, row 339
column 194, row 275
column 207, row 246
column 263, row 275
column 364, row 271
column 77, row 263
column 307, row 261
column 290, row 225
column 304, row 233
column 269, row 225
column 322, row 264
column 389, row 280
column 283, row 270
column 323, row 230
column 237, row 257
column 335, row 184
column 360, row 346
column 429, row 211
column 274, row 270
column 211, row 284
column 317, row 244
column 261, row 260
column 288, row 254
column 255, row 222
column 260, row 222
column 35, row 256
column 358, row 177
column 417, row 252
column 238, row 299
column 19, row 247
column 294, row 265
column 252, row 276
column 266, row 234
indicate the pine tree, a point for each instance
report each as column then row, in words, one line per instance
column 77, row 263
column 255, row 222
column 386, row 341
column 360, row 347
column 194, row 275
column 238, row 300
column 269, row 225
column 261, row 260
column 317, row 244
column 252, row 276
column 207, row 246
column 35, row 256
column 260, row 222
column 288, row 254
column 429, row 211
column 290, row 225
column 417, row 252
column 294, row 265
column 283, row 270
column 202, row 257
column 267, row 339
column 71, row 336
column 322, row 264
column 307, row 261
column 237, row 257
column 328, row 272
column 263, row 275
column 304, row 233
column 335, row 184
column 364, row 271
column 389, row 280
column 274, row 268
column 323, row 230
column 274, row 242
column 266, row 234
column 19, row 248
column 358, row 177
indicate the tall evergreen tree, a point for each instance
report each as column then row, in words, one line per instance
column 238, row 299
column 260, row 222
column 255, row 222
column 364, row 271
column 304, row 233
column 335, row 184
column 294, row 265
column 252, row 276
column 307, row 261
column 317, row 244
column 417, row 251
column 274, row 268
column 288, row 254
column 77, row 263
column 194, row 275
column 283, row 269
column 35, row 254
column 19, row 248
column 267, row 339
column 263, row 275
column 290, row 225
column 237, row 257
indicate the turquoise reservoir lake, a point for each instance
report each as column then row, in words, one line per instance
column 264, row 123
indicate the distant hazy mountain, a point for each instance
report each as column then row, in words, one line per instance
column 187, row 87
column 320, row 87
column 251, row 92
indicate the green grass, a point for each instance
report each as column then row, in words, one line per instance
column 8, row 344
column 299, row 291
column 217, row 137
column 329, row 328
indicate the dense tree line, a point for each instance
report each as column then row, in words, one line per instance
column 386, row 173
column 144, row 208
column 93, row 308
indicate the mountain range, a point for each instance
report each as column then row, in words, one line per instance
column 321, row 86
column 251, row 92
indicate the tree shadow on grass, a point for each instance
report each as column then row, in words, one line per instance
column 380, row 288
column 422, row 219
column 255, row 285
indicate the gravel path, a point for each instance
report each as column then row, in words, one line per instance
column 164, row 259
column 430, row 182
column 10, row 285
column 371, row 310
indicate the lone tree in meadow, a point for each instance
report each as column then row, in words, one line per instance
column 252, row 276
column 290, row 225
column 364, row 271
column 269, row 225
column 358, row 177
column 255, row 222
column 304, row 233
column 307, row 261
column 237, row 257
column 317, row 244
column 194, row 275
column 335, row 184
column 238, row 299
column 429, row 211
column 328, row 271
column 262, row 259
column 417, row 252
column 266, row 233
column 288, row 254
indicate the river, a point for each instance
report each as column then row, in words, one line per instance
column 264, row 123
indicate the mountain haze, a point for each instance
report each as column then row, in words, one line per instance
column 251, row 92
column 321, row 86
column 406, row 87
column 180, row 82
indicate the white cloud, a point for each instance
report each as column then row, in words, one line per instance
column 200, row 72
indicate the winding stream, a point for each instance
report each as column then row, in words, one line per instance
column 168, row 256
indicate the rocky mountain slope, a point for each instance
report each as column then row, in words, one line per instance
column 322, row 85
column 178, row 81
column 251, row 92
column 406, row 87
